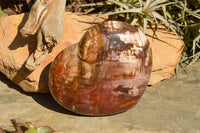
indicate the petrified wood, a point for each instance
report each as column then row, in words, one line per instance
column 106, row 73
column 46, row 20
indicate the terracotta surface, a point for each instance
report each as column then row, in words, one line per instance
column 106, row 73
column 14, row 51
column 166, row 49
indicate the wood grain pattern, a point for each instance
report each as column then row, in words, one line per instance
column 106, row 73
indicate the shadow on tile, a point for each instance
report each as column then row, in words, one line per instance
column 46, row 100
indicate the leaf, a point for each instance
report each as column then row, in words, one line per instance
column 135, row 10
column 134, row 21
column 141, row 3
column 156, row 7
column 45, row 130
column 96, row 4
column 144, row 25
column 147, row 4
column 120, row 4
column 197, row 11
column 90, row 10
column 181, row 6
column 164, row 11
column 100, row 13
column 172, row 27
column 195, row 44
column 155, row 20
column 31, row 128
column 22, row 127
column 157, row 2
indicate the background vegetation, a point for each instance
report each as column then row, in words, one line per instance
column 180, row 16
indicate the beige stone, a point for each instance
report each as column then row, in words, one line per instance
column 166, row 49
column 14, row 51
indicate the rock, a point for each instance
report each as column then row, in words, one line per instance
column 166, row 49
column 14, row 51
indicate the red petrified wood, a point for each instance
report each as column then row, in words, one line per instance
column 106, row 73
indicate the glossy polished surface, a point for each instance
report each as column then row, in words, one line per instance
column 106, row 73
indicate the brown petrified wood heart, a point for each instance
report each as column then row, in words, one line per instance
column 106, row 73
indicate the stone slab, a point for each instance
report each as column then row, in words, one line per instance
column 171, row 106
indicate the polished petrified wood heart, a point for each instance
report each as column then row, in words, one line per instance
column 106, row 73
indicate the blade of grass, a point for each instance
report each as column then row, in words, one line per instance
column 90, row 10
column 156, row 7
column 135, row 10
column 141, row 3
column 164, row 11
column 144, row 25
column 194, row 43
column 155, row 20
column 101, row 12
column 96, row 4
column 172, row 27
column 187, row 10
column 134, row 21
column 119, row 3
column 157, row 2
column 147, row 5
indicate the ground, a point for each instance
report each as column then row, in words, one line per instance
column 171, row 106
